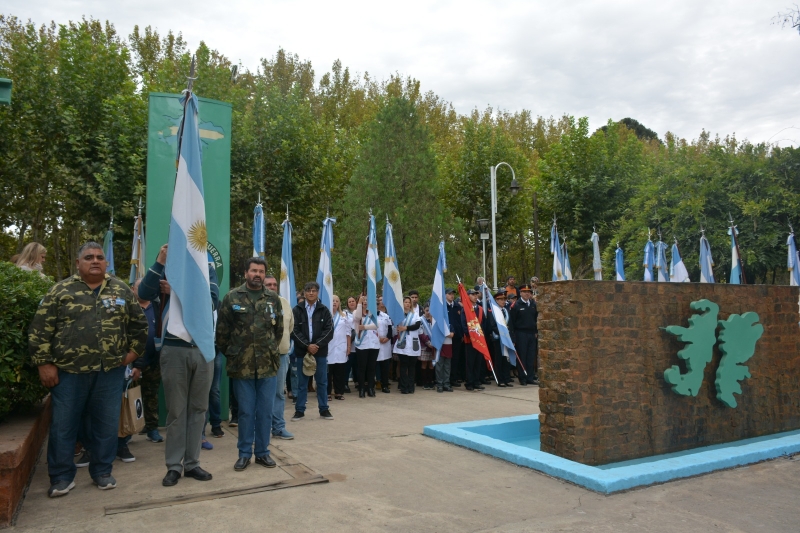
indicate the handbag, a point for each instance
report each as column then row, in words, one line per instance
column 131, row 414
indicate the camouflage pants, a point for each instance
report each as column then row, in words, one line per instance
column 151, row 379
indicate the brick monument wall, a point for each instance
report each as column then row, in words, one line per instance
column 602, row 356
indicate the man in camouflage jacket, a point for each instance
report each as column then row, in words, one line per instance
column 249, row 330
column 87, row 329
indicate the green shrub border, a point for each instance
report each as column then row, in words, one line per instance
column 20, row 294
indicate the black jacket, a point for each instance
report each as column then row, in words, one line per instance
column 454, row 313
column 322, row 328
column 523, row 317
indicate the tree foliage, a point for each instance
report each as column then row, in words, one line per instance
column 74, row 148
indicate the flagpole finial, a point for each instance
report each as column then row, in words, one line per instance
column 111, row 224
column 617, row 244
column 259, row 198
column 594, row 228
column 287, row 211
column 140, row 205
column 191, row 77
column 458, row 279
column 791, row 229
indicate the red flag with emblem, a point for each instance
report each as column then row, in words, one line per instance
column 474, row 326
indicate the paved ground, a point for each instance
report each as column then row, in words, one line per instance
column 386, row 476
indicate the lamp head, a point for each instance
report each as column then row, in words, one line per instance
column 515, row 187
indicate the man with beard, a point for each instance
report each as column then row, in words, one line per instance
column 249, row 332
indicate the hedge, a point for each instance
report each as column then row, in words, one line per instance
column 20, row 294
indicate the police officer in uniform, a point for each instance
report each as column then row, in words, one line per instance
column 502, row 366
column 454, row 312
column 249, row 331
column 523, row 327
column 87, row 329
column 474, row 358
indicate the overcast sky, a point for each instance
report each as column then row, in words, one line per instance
column 678, row 66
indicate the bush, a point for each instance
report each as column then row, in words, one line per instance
column 20, row 294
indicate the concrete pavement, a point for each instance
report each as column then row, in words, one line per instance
column 386, row 476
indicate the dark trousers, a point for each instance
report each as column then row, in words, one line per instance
column 385, row 367
column 234, row 405
column 337, row 378
column 367, row 360
column 527, row 351
column 351, row 367
column 408, row 366
column 458, row 363
column 502, row 367
column 151, row 381
column 98, row 395
column 474, row 360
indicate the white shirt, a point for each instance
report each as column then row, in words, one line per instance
column 310, row 312
column 337, row 349
column 385, row 350
column 370, row 340
column 410, row 336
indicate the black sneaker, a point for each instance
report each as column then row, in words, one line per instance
column 326, row 414
column 217, row 432
column 60, row 488
column 297, row 416
column 233, row 422
column 83, row 461
column 125, row 454
column 106, row 482
column 439, row 389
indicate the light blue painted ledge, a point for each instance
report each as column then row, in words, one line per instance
column 516, row 439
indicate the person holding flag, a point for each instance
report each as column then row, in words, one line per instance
column 474, row 323
column 367, row 346
column 522, row 323
column 502, row 353
column 408, row 347
column 188, row 301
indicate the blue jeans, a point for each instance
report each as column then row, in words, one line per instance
column 99, row 396
column 321, row 379
column 255, row 397
column 278, row 422
column 214, row 407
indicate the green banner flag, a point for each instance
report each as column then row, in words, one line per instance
column 164, row 118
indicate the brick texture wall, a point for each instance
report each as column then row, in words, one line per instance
column 602, row 356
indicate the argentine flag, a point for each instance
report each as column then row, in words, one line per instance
column 706, row 262
column 736, row 261
column 597, row 264
column 373, row 269
column 259, row 232
column 392, row 289
column 649, row 260
column 567, row 266
column 662, row 270
column 440, row 323
column 677, row 270
column 555, row 249
column 793, row 263
column 190, row 312
column 137, row 250
column 287, row 287
column 324, row 273
column 620, row 264
column 506, row 344
column 108, row 250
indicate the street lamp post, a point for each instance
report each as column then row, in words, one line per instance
column 514, row 190
column 483, row 227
